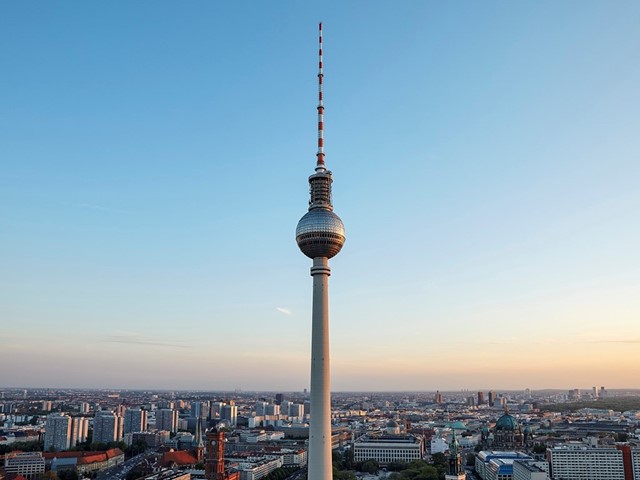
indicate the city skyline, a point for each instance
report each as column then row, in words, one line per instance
column 488, row 164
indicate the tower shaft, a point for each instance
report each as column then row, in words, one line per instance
column 320, row 466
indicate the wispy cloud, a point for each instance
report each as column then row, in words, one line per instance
column 628, row 340
column 135, row 339
column 286, row 311
column 93, row 206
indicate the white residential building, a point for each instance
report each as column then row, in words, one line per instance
column 28, row 464
column 388, row 448
column 135, row 420
column 582, row 462
column 107, row 427
column 79, row 430
column 57, row 432
column 526, row 470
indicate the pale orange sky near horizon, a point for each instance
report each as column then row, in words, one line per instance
column 486, row 165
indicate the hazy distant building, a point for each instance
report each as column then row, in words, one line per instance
column 574, row 394
column 480, row 398
column 261, row 408
column 437, row 397
column 167, row 419
column 215, row 409
column 285, row 407
column 199, row 409
column 296, row 410
column 230, row 414
column 135, row 420
column 272, row 409
column 492, row 398
column 57, row 432
column 107, row 427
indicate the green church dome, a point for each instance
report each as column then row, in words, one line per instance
column 506, row 422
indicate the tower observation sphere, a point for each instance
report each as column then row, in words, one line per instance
column 320, row 233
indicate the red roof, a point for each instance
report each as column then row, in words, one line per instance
column 180, row 457
column 85, row 458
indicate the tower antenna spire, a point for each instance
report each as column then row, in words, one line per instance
column 320, row 162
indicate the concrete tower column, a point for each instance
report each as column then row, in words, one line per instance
column 320, row 467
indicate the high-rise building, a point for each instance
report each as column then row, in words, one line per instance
column 272, row 409
column 107, row 427
column 320, row 235
column 279, row 398
column 199, row 409
column 167, row 419
column 492, row 398
column 261, row 408
column 480, row 398
column 284, row 407
column 230, row 414
column 296, row 410
column 437, row 398
column 135, row 420
column 79, row 430
column 84, row 407
column 57, row 432
column 215, row 409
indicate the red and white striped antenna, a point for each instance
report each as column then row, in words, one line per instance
column 320, row 163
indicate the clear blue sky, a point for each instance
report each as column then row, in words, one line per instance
column 154, row 159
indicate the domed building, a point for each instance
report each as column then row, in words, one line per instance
column 507, row 433
column 392, row 428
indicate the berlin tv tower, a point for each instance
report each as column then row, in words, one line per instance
column 320, row 236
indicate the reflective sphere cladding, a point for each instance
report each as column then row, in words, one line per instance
column 320, row 233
